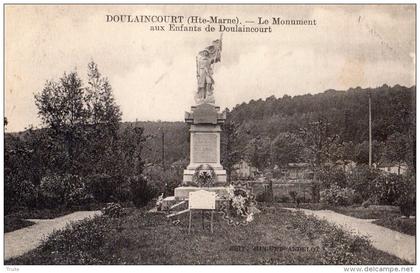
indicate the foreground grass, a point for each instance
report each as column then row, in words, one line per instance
column 403, row 225
column 17, row 219
column 372, row 212
column 276, row 236
column 40, row 213
column 368, row 213
column 12, row 223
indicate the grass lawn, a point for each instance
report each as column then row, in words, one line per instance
column 403, row 225
column 372, row 212
column 17, row 220
column 387, row 216
column 12, row 223
column 276, row 236
column 311, row 206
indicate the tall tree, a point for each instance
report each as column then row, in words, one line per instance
column 84, row 120
column 61, row 108
column 287, row 148
column 397, row 149
column 230, row 150
column 321, row 143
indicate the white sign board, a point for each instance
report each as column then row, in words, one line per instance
column 202, row 200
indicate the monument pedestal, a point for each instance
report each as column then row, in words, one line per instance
column 205, row 126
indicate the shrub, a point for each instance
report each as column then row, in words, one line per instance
column 63, row 190
column 19, row 193
column 392, row 189
column 102, row 187
column 122, row 193
column 113, row 210
column 362, row 180
column 164, row 180
column 407, row 197
column 337, row 196
column 330, row 177
column 142, row 193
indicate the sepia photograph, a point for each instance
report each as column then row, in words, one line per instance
column 210, row 134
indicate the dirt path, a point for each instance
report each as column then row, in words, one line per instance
column 395, row 243
column 18, row 242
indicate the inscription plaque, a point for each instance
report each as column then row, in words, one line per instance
column 202, row 200
column 205, row 148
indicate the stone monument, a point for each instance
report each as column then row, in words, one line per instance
column 205, row 121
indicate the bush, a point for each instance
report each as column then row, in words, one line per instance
column 113, row 210
column 122, row 193
column 142, row 193
column 102, row 187
column 362, row 180
column 392, row 189
column 337, row 196
column 63, row 190
column 330, row 177
column 164, row 180
column 407, row 198
column 19, row 193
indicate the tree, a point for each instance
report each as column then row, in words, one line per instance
column 321, row 144
column 258, row 152
column 230, row 151
column 397, row 149
column 61, row 108
column 82, row 121
column 286, row 148
column 104, row 122
column 362, row 151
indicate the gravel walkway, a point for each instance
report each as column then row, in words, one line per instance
column 395, row 243
column 18, row 242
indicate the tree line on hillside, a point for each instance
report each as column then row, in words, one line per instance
column 329, row 126
column 84, row 152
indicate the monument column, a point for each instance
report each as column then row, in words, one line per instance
column 205, row 122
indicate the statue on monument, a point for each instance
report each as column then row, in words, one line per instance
column 205, row 61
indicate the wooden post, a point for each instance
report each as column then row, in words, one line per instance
column 202, row 218
column 189, row 224
column 211, row 221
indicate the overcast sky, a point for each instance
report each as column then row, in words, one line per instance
column 153, row 73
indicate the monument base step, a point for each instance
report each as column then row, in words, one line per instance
column 221, row 177
column 182, row 193
column 170, row 201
